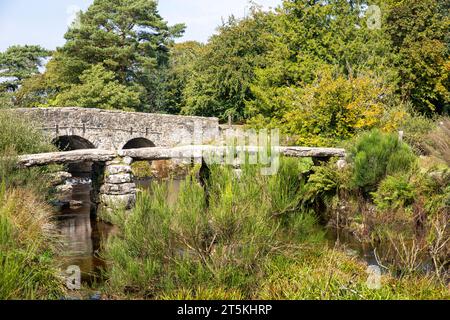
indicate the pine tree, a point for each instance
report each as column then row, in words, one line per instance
column 128, row 38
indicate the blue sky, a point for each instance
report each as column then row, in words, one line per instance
column 44, row 22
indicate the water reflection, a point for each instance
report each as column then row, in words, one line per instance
column 81, row 234
column 173, row 187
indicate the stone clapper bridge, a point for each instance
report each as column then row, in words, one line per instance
column 113, row 140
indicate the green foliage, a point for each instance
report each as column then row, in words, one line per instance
column 251, row 242
column 329, row 110
column 27, row 248
column 98, row 88
column 375, row 155
column 322, row 185
column 168, row 250
column 418, row 30
column 394, row 192
column 316, row 273
column 20, row 136
column 220, row 82
column 182, row 59
column 18, row 63
column 437, row 142
column 129, row 39
column 316, row 66
column 415, row 127
column 142, row 169
column 27, row 242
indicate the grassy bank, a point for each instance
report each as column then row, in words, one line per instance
column 28, row 244
column 259, row 238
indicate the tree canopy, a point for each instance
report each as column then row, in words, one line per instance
column 17, row 64
column 128, row 38
column 321, row 71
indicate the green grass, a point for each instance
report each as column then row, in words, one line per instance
column 253, row 241
column 27, row 248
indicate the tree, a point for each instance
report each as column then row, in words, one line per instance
column 222, row 75
column 99, row 89
column 418, row 30
column 332, row 109
column 321, row 50
column 17, row 64
column 128, row 37
column 182, row 58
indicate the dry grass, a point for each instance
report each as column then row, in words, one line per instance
column 27, row 248
column 437, row 143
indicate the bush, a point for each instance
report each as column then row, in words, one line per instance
column 21, row 136
column 253, row 241
column 376, row 155
column 328, row 274
column 142, row 169
column 394, row 192
column 27, row 243
column 173, row 250
column 416, row 127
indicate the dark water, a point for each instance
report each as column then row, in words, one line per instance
column 82, row 234
column 353, row 247
column 172, row 185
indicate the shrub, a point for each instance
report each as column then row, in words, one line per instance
column 329, row 274
column 174, row 250
column 416, row 127
column 27, row 243
column 142, row 169
column 376, row 155
column 394, row 192
column 20, row 135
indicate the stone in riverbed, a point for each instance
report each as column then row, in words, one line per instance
column 59, row 178
column 341, row 164
column 64, row 188
column 74, row 204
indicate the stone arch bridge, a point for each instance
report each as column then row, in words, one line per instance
column 85, row 128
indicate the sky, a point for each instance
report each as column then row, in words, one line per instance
column 44, row 22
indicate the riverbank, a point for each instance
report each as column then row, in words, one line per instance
column 252, row 241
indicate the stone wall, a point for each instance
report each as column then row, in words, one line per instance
column 111, row 130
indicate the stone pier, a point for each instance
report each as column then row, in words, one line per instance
column 113, row 185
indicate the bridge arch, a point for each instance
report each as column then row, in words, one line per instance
column 69, row 143
column 138, row 143
column 74, row 142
